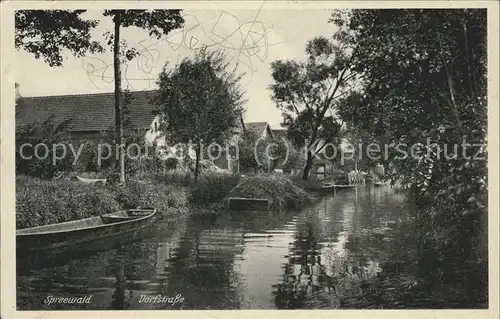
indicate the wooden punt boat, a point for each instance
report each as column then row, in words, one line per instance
column 92, row 180
column 63, row 235
column 326, row 187
column 321, row 188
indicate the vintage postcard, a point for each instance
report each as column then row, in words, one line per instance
column 305, row 158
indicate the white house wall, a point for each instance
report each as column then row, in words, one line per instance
column 152, row 134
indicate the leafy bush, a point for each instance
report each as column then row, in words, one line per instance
column 294, row 159
column 176, row 177
column 48, row 138
column 170, row 199
column 148, row 167
column 166, row 198
column 89, row 161
column 213, row 187
column 283, row 192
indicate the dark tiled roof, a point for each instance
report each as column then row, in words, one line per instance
column 88, row 112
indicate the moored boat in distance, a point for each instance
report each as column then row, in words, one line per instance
column 346, row 186
column 331, row 187
column 63, row 235
column 325, row 187
column 378, row 184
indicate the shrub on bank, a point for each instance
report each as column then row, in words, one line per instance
column 48, row 132
column 176, row 177
column 282, row 191
column 167, row 199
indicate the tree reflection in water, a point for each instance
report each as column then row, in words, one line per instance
column 303, row 274
column 118, row 298
column 336, row 257
column 201, row 268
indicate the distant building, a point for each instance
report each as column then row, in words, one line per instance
column 263, row 129
column 229, row 160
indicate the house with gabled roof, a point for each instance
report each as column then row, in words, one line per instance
column 230, row 162
column 263, row 129
column 89, row 114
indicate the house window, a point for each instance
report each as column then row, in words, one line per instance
column 321, row 173
column 156, row 126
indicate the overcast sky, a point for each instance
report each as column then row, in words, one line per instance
column 260, row 38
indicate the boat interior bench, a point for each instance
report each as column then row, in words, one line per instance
column 124, row 216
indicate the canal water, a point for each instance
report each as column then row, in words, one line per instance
column 348, row 251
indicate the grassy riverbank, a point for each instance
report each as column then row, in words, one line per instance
column 41, row 202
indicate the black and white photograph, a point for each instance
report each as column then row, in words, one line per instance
column 267, row 156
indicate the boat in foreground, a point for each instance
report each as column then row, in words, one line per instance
column 62, row 235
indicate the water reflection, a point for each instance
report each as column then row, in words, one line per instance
column 118, row 297
column 336, row 249
column 342, row 253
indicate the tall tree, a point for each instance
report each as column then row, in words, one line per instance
column 424, row 79
column 45, row 33
column 158, row 23
column 200, row 101
column 307, row 94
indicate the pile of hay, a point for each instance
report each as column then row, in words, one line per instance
column 284, row 193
